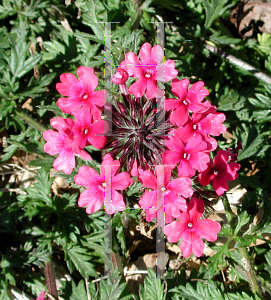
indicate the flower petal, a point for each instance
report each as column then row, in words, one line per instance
column 117, row 203
column 67, row 80
column 65, row 161
column 93, row 198
column 88, row 79
column 138, row 88
column 121, row 181
column 195, row 209
column 207, row 229
column 174, row 231
column 87, row 177
column 198, row 247
column 148, row 180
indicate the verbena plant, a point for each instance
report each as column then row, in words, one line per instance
column 45, row 234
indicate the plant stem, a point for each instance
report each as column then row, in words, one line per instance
column 245, row 260
column 50, row 279
column 228, row 211
column 239, row 63
column 30, row 121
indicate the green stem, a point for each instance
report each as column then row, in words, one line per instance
column 30, row 121
column 228, row 211
column 245, row 260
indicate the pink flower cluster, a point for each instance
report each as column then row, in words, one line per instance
column 72, row 136
column 185, row 150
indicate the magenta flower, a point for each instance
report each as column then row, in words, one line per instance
column 186, row 154
column 205, row 124
column 191, row 230
column 80, row 92
column 149, row 70
column 41, row 296
column 101, row 185
column 171, row 190
column 86, row 132
column 120, row 77
column 220, row 172
column 61, row 143
column 188, row 100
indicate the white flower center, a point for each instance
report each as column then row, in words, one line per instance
column 104, row 184
column 186, row 155
column 215, row 172
column 195, row 126
column 148, row 75
column 163, row 189
column 86, row 131
column 185, row 102
column 85, row 96
column 190, row 225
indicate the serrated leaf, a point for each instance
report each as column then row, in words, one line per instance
column 223, row 40
column 251, row 141
column 262, row 101
column 91, row 20
column 76, row 257
column 243, row 218
column 112, row 288
column 214, row 9
column 204, row 290
column 153, row 287
column 28, row 65
column 217, row 259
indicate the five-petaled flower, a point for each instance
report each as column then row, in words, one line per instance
column 171, row 193
column 149, row 69
column 99, row 185
column 220, row 172
column 191, row 229
column 81, row 92
column 61, row 143
column 188, row 100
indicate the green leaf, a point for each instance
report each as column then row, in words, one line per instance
column 217, row 259
column 223, row 40
column 153, row 287
column 251, row 139
column 262, row 101
column 214, row 9
column 91, row 20
column 77, row 257
column 112, row 288
column 267, row 266
column 28, row 65
column 202, row 291
column 243, row 296
column 243, row 218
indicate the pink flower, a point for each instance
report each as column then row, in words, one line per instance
column 100, row 186
column 86, row 132
column 149, row 70
column 220, row 172
column 41, row 296
column 205, row 124
column 188, row 100
column 192, row 230
column 120, row 77
column 61, row 143
column 81, row 92
column 171, row 191
column 186, row 154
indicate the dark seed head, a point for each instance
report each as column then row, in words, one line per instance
column 137, row 134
